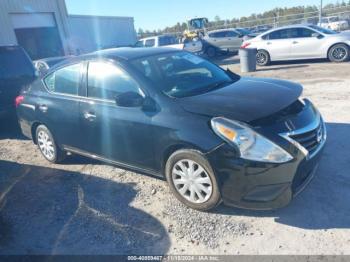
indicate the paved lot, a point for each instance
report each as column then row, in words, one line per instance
column 87, row 207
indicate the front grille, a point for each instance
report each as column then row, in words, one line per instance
column 310, row 140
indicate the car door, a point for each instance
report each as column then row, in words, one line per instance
column 217, row 39
column 306, row 44
column 278, row 44
column 109, row 131
column 58, row 107
column 233, row 40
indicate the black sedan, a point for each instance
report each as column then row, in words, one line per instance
column 214, row 136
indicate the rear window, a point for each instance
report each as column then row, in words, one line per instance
column 65, row 80
column 15, row 63
column 150, row 42
column 139, row 44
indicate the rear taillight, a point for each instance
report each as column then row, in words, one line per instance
column 19, row 100
column 245, row 45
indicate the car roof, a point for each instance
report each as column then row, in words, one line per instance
column 221, row 30
column 52, row 59
column 156, row 36
column 130, row 53
column 286, row 27
column 122, row 53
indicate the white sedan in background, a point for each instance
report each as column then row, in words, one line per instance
column 300, row 42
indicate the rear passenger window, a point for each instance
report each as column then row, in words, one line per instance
column 150, row 43
column 221, row 34
column 106, row 81
column 139, row 44
column 65, row 80
column 280, row 34
column 231, row 34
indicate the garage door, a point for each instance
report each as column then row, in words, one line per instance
column 37, row 33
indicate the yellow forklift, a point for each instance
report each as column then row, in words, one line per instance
column 196, row 28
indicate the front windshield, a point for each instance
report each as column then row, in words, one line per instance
column 323, row 30
column 181, row 74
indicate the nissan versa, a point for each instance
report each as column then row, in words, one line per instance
column 215, row 136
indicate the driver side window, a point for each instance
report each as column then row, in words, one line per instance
column 106, row 81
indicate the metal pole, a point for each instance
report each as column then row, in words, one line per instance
column 320, row 15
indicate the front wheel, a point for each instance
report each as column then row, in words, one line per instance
column 339, row 53
column 192, row 180
column 48, row 146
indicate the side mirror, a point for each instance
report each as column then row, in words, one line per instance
column 129, row 99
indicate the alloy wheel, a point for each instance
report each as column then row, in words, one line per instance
column 339, row 53
column 46, row 145
column 261, row 58
column 192, row 181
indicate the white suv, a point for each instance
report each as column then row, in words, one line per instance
column 334, row 23
column 171, row 41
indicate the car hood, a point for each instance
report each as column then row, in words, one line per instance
column 245, row 100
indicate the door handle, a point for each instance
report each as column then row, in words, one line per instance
column 43, row 108
column 89, row 116
column 295, row 42
column 268, row 43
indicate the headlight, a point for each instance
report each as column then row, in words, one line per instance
column 251, row 145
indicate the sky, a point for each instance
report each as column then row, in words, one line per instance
column 157, row 14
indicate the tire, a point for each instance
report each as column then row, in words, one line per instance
column 201, row 190
column 338, row 53
column 211, row 52
column 48, row 146
column 263, row 58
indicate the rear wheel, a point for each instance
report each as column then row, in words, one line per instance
column 192, row 180
column 263, row 58
column 48, row 146
column 339, row 53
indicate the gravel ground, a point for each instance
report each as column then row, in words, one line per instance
column 87, row 207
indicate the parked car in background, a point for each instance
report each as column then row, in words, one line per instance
column 334, row 23
column 16, row 70
column 246, row 33
column 300, row 42
column 43, row 65
column 194, row 46
column 228, row 40
column 260, row 29
column 214, row 136
column 159, row 41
